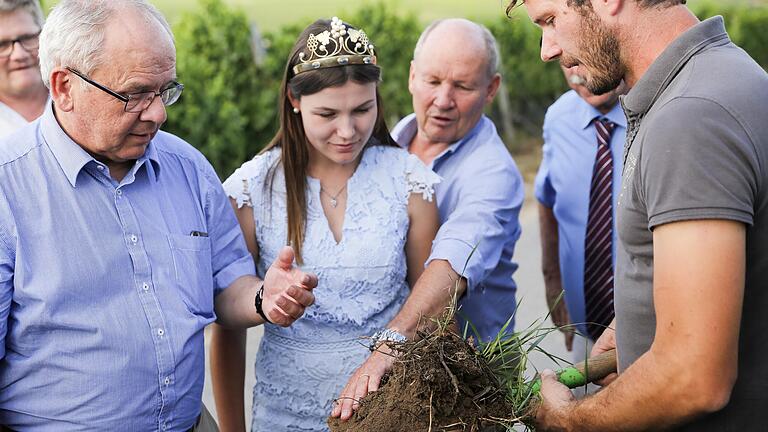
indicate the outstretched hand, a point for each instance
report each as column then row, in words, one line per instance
column 364, row 380
column 287, row 290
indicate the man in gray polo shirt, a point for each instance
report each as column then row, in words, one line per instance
column 692, row 264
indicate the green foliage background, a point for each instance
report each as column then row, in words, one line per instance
column 229, row 106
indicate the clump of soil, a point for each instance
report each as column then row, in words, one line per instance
column 438, row 383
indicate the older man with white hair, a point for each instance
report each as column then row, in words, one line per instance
column 22, row 93
column 117, row 243
column 454, row 76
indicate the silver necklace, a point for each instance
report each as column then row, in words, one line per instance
column 334, row 198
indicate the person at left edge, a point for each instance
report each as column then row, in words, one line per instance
column 118, row 245
column 22, row 93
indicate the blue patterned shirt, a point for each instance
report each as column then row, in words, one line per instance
column 104, row 291
column 479, row 203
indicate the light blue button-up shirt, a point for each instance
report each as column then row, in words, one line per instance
column 479, row 203
column 564, row 179
column 104, row 292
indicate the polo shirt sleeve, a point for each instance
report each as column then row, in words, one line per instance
column 697, row 162
column 230, row 258
column 542, row 187
column 472, row 238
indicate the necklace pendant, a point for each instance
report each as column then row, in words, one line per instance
column 334, row 203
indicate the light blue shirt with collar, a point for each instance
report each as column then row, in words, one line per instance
column 479, row 202
column 104, row 289
column 564, row 179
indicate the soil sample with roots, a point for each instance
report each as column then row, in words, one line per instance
column 439, row 382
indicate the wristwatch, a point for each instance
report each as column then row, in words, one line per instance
column 385, row 335
column 258, row 302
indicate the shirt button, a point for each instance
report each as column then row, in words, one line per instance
column 134, row 239
column 119, row 192
column 145, row 287
column 160, row 332
column 167, row 380
column 165, row 426
column 100, row 167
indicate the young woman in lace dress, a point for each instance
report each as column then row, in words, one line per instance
column 359, row 212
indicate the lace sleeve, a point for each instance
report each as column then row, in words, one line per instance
column 240, row 185
column 419, row 178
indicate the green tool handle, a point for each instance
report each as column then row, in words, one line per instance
column 590, row 370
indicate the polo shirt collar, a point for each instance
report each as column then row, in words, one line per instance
column 72, row 158
column 669, row 63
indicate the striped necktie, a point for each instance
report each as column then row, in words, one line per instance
column 598, row 250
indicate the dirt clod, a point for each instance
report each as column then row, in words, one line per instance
column 439, row 383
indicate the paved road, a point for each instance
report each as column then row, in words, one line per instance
column 530, row 295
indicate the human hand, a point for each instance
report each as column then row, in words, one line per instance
column 558, row 312
column 556, row 402
column 364, row 380
column 562, row 320
column 607, row 341
column 287, row 290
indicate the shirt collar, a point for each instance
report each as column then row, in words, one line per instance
column 406, row 129
column 10, row 114
column 150, row 155
column 587, row 115
column 664, row 69
column 72, row 158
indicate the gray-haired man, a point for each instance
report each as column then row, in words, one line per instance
column 22, row 93
column 117, row 243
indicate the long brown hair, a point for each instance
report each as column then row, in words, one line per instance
column 290, row 137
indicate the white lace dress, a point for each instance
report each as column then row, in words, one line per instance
column 362, row 280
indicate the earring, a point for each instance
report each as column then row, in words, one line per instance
column 296, row 110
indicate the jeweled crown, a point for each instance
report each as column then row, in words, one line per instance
column 338, row 46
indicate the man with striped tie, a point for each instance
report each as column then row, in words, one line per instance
column 692, row 258
column 576, row 186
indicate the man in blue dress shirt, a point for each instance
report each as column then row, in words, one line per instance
column 454, row 76
column 562, row 188
column 117, row 243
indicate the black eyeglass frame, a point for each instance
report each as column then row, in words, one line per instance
column 132, row 96
column 21, row 40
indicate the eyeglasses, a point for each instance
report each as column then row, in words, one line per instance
column 138, row 102
column 29, row 42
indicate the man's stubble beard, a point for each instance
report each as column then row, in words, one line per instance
column 600, row 48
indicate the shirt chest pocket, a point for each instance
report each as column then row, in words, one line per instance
column 193, row 272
